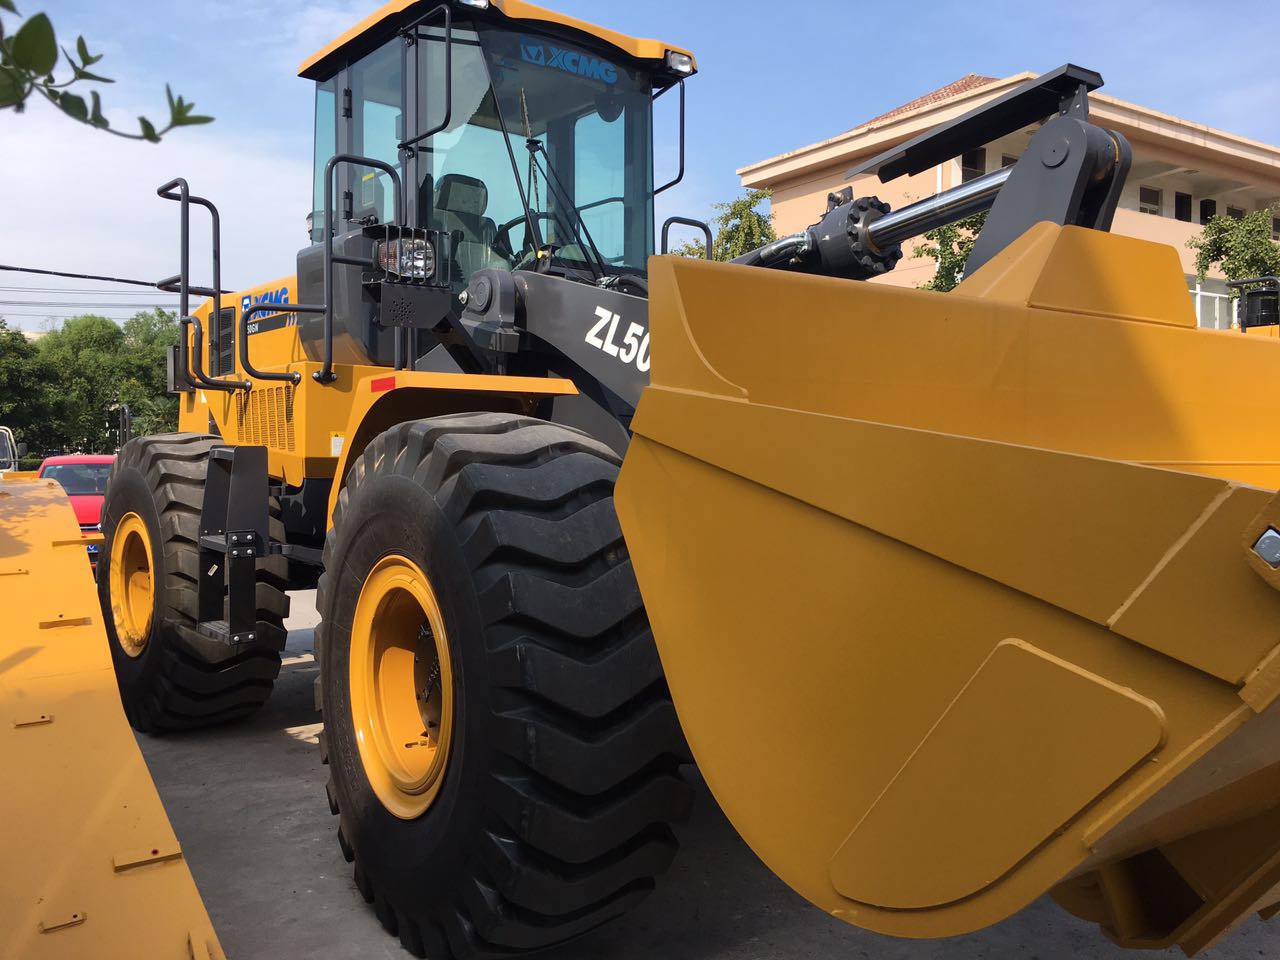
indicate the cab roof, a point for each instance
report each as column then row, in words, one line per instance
column 323, row 63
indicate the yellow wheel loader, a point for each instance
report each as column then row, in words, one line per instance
column 955, row 599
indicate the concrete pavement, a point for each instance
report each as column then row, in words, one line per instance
column 248, row 805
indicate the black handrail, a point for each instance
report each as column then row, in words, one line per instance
column 195, row 362
column 325, row 374
column 448, row 71
column 680, row 174
column 198, row 364
column 1254, row 281
column 292, row 377
column 666, row 232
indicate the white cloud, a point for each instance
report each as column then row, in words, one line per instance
column 307, row 26
column 80, row 200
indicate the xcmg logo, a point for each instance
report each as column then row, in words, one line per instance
column 267, row 320
column 280, row 296
column 570, row 61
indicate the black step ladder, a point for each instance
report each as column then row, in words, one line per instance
column 234, row 534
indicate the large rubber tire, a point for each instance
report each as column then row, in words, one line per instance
column 180, row 680
column 554, row 809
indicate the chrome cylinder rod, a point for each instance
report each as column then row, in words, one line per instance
column 947, row 207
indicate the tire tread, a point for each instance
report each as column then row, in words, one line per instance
column 192, row 691
column 578, row 806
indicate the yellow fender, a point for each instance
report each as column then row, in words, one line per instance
column 92, row 866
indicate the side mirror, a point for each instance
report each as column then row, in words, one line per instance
column 22, row 449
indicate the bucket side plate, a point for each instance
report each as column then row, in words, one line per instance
column 934, row 651
column 92, row 864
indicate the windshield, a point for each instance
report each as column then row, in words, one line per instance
column 79, row 479
column 591, row 119
column 7, row 459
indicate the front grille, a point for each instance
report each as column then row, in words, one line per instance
column 264, row 416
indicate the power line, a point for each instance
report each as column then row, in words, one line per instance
column 85, row 291
column 72, row 303
column 54, row 315
column 77, row 276
column 83, row 276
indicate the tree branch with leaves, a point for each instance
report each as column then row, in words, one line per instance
column 29, row 59
column 1240, row 248
column 949, row 247
column 739, row 228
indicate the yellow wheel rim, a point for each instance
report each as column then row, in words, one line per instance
column 401, row 686
column 132, row 584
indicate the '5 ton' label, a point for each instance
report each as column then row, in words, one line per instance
column 634, row 347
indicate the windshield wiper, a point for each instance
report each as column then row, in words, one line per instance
column 577, row 227
column 597, row 268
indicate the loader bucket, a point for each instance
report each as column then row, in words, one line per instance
column 964, row 598
column 92, row 867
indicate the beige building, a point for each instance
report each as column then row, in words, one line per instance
column 1183, row 173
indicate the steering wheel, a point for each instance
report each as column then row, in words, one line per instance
column 502, row 239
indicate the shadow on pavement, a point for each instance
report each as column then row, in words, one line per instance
column 249, row 807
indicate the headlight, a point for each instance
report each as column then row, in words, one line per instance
column 680, row 63
column 411, row 257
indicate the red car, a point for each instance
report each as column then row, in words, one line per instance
column 84, row 477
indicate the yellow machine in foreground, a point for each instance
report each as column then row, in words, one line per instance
column 94, row 867
column 1014, row 583
column 956, row 599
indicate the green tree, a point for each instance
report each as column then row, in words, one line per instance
column 26, row 389
column 1241, row 248
column 949, row 247
column 64, row 392
column 87, row 358
column 28, row 59
column 739, row 228
column 143, row 387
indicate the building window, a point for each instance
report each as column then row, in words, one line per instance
column 1214, row 308
column 1149, row 200
column 1182, row 207
column 1208, row 210
column 1275, row 228
column 1235, row 213
column 973, row 164
column 1007, row 161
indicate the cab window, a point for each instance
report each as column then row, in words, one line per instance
column 377, row 128
column 326, row 145
column 468, row 188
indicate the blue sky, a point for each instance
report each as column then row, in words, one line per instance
column 773, row 76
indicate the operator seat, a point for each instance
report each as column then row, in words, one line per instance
column 460, row 205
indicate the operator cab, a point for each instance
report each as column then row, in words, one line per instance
column 525, row 144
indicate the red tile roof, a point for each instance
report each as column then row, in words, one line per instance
column 966, row 83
